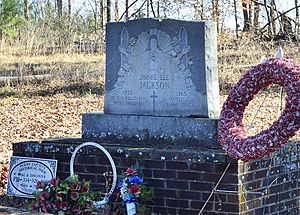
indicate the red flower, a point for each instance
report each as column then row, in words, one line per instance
column 76, row 209
column 130, row 171
column 74, row 196
column 64, row 206
column 35, row 207
column 5, row 168
column 4, row 176
column 56, row 205
column 47, row 208
column 134, row 189
column 86, row 212
column 59, row 196
column 85, row 189
column 40, row 185
column 44, row 196
column 118, row 196
column 75, row 186
column 54, row 182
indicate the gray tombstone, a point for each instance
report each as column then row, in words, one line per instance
column 162, row 68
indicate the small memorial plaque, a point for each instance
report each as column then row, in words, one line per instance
column 162, row 68
column 25, row 172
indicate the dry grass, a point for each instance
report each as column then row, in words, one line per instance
column 50, row 64
column 235, row 57
column 53, row 73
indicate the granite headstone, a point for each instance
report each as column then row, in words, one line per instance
column 162, row 68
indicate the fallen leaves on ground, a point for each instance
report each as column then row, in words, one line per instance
column 39, row 118
column 262, row 112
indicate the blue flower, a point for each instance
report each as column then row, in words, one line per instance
column 136, row 180
column 120, row 185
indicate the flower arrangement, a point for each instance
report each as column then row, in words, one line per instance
column 4, row 177
column 131, row 188
column 70, row 196
column 232, row 135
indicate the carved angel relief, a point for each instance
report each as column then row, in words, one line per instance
column 154, row 55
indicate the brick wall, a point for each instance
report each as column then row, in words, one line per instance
column 271, row 185
column 184, row 178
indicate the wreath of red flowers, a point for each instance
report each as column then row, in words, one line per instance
column 232, row 134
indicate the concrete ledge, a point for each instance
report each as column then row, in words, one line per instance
column 157, row 131
column 62, row 147
column 18, row 211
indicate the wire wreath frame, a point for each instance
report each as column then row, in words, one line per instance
column 102, row 203
column 232, row 133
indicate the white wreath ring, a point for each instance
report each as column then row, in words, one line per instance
column 104, row 201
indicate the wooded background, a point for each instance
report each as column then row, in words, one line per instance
column 62, row 26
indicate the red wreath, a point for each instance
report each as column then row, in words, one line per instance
column 232, row 134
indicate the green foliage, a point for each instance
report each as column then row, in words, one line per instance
column 9, row 93
column 10, row 17
column 146, row 194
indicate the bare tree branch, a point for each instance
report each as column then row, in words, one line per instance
column 280, row 14
column 127, row 9
column 151, row 4
column 138, row 10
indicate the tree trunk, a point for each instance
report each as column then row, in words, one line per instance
column 197, row 12
column 215, row 12
column 148, row 9
column 268, row 16
column 250, row 14
column 277, row 15
column 202, row 10
column 70, row 12
column 101, row 15
column 158, row 9
column 256, row 15
column 297, row 17
column 272, row 17
column 152, row 8
column 59, row 8
column 236, row 20
column 26, row 8
column 96, row 16
column 116, row 10
column 246, row 17
column 108, row 10
column 126, row 10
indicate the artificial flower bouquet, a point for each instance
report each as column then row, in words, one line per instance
column 70, row 196
column 131, row 188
